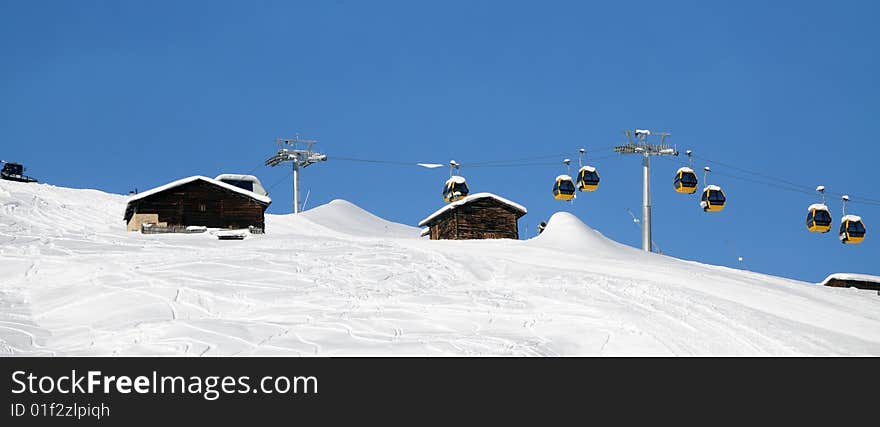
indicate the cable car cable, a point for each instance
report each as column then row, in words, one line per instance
column 384, row 162
column 512, row 165
column 748, row 171
column 549, row 156
column 283, row 178
column 797, row 187
column 775, row 182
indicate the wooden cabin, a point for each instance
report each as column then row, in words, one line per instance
column 477, row 216
column 851, row 280
column 197, row 201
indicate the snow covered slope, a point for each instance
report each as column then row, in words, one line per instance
column 337, row 280
column 345, row 217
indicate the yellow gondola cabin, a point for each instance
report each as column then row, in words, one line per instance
column 455, row 189
column 563, row 188
column 685, row 181
column 588, row 179
column 818, row 218
column 852, row 229
column 713, row 199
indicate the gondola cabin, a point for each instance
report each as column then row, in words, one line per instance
column 852, row 230
column 563, row 188
column 588, row 179
column 455, row 189
column 818, row 218
column 477, row 216
column 713, row 199
column 197, row 201
column 685, row 181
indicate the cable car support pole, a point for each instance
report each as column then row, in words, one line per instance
column 300, row 157
column 637, row 143
column 646, row 203
column 296, row 205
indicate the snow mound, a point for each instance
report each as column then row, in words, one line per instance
column 566, row 232
column 348, row 218
column 47, row 210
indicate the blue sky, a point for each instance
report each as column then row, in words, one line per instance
column 135, row 94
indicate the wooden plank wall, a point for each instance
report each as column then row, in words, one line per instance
column 201, row 203
column 481, row 219
column 859, row 284
column 445, row 229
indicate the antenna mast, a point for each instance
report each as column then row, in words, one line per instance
column 300, row 158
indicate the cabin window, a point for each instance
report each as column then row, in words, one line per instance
column 455, row 189
column 856, row 229
column 565, row 187
column 590, row 178
column 202, row 207
column 688, row 180
column 822, row 218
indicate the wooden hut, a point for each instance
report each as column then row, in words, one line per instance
column 478, row 216
column 852, row 280
column 197, row 201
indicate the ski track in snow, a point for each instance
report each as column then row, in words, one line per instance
column 337, row 280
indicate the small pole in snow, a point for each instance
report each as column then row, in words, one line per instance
column 307, row 199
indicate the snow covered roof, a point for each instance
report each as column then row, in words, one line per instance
column 236, row 176
column 456, row 179
column 425, row 231
column 563, row 177
column 256, row 185
column 852, row 276
column 469, row 199
column 587, row 168
column 853, row 218
column 712, row 187
column 684, row 169
column 818, row 207
column 179, row 182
